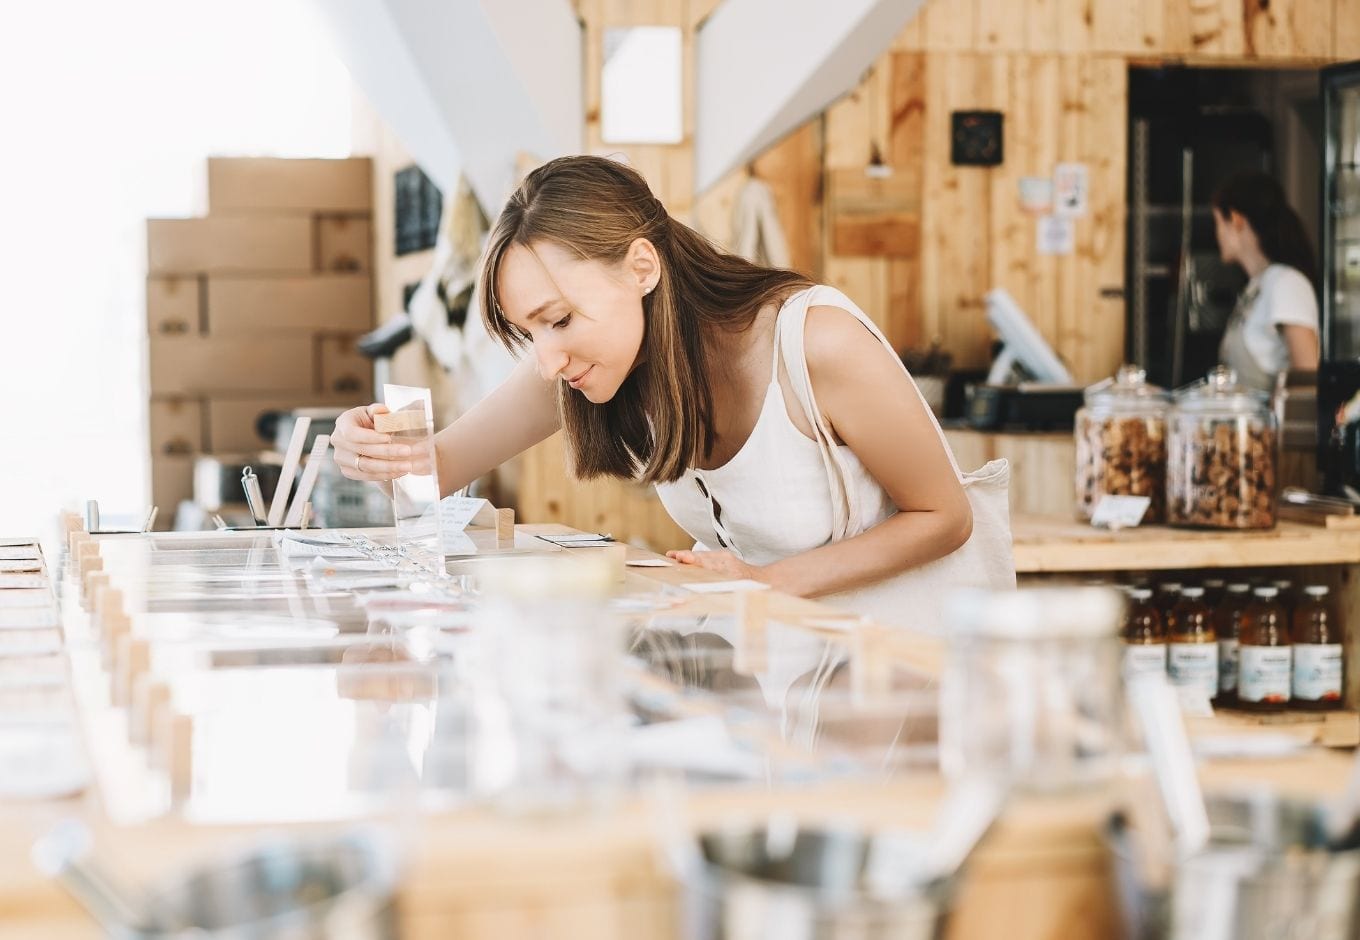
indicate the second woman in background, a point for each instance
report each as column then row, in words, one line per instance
column 1274, row 327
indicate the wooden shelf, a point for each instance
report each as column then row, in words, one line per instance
column 1049, row 544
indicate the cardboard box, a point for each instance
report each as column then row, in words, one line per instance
column 232, row 422
column 172, row 481
column 209, row 365
column 244, row 244
column 318, row 302
column 174, row 305
column 253, row 184
column 344, row 243
column 177, row 426
column 342, row 369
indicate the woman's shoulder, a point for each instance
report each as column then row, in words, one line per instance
column 836, row 339
column 1289, row 295
column 1285, row 278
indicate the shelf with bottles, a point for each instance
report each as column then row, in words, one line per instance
column 1284, row 627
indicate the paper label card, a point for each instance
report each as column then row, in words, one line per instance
column 459, row 511
column 1120, row 512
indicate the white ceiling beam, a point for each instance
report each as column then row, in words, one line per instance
column 467, row 84
column 763, row 67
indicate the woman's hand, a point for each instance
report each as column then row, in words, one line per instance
column 719, row 562
column 362, row 453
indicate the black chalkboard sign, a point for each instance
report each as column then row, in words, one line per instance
column 419, row 204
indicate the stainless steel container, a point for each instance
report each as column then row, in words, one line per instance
column 1268, row 873
column 337, row 888
column 765, row 883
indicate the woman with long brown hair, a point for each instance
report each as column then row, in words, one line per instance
column 779, row 428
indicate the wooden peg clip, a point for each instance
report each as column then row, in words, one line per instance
column 752, row 610
column 397, row 422
column 149, row 698
column 132, row 659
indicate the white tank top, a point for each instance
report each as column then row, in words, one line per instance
column 773, row 498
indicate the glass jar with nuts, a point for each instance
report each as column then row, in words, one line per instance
column 1121, row 443
column 1221, row 455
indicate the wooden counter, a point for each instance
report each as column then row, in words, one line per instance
column 1043, row 873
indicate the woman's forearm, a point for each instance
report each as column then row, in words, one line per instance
column 514, row 417
column 907, row 540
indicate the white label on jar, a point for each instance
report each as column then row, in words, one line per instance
column 1120, row 512
column 1264, row 673
column 1317, row 672
column 1141, row 659
column 1194, row 665
column 1227, row 665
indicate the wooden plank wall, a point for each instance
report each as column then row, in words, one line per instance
column 1057, row 69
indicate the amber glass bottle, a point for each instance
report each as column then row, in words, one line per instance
column 1227, row 625
column 1143, row 634
column 1165, row 600
column 1287, row 598
column 1266, row 666
column 1213, row 591
column 1317, row 651
column 1192, row 656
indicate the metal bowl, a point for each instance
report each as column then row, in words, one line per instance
column 1268, row 873
column 316, row 889
column 770, row 883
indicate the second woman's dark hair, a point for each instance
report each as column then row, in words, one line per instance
column 1259, row 199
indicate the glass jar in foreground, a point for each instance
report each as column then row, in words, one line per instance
column 549, row 712
column 1121, row 443
column 1030, row 692
column 1221, row 456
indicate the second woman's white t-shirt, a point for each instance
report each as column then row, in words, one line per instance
column 1283, row 296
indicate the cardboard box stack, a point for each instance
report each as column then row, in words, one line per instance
column 255, row 307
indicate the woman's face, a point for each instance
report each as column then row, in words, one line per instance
column 584, row 318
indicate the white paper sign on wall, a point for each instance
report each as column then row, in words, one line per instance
column 1071, row 190
column 1055, row 235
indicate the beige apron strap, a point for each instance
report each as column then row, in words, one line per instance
column 789, row 348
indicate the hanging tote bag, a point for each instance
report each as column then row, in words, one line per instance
column 915, row 597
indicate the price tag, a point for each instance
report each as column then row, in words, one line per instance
column 1120, row 512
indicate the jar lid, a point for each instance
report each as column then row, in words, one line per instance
column 1140, row 593
column 1239, row 587
column 1128, row 390
column 1266, row 590
column 1037, row 613
column 1220, row 392
column 1316, row 590
column 1192, row 592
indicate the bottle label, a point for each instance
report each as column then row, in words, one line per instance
column 1141, row 659
column 1194, row 665
column 1317, row 672
column 1227, row 665
column 1265, row 673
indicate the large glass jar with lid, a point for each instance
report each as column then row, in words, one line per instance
column 1121, row 443
column 1221, row 455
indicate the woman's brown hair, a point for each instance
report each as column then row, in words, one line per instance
column 659, row 423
